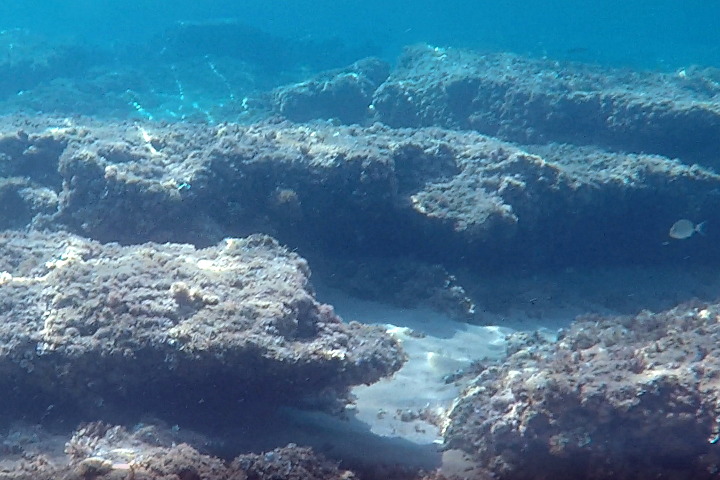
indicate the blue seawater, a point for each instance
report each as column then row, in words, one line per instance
column 656, row 34
column 147, row 59
column 213, row 61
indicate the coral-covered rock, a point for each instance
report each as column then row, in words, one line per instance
column 169, row 325
column 628, row 397
column 291, row 462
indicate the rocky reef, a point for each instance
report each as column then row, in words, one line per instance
column 345, row 94
column 437, row 194
column 159, row 327
column 626, row 397
column 105, row 452
column 148, row 266
column 538, row 101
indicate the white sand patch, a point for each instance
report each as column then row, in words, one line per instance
column 390, row 405
column 384, row 422
column 437, row 347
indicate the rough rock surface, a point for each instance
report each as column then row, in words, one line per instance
column 105, row 452
column 627, row 397
column 432, row 193
column 162, row 326
column 344, row 94
column 536, row 101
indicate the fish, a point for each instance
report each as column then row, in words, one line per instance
column 685, row 228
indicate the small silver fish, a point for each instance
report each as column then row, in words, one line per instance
column 684, row 228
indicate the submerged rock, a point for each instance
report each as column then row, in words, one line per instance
column 345, row 94
column 435, row 194
column 27, row 60
column 626, row 397
column 536, row 101
column 158, row 327
column 105, row 452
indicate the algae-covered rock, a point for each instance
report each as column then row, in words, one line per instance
column 163, row 325
column 623, row 397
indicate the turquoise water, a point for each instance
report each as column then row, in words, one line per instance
column 661, row 34
column 141, row 60
column 564, row 222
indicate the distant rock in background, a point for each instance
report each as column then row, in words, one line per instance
column 206, row 72
column 537, row 101
column 345, row 94
column 28, row 60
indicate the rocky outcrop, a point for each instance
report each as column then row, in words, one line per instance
column 156, row 327
column 627, row 397
column 538, row 101
column 345, row 94
column 106, row 452
column 436, row 194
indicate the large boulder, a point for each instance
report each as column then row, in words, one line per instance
column 624, row 397
column 103, row 327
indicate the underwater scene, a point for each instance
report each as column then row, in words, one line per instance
column 283, row 240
